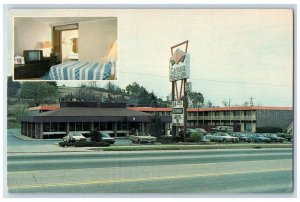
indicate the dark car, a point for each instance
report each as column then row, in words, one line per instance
column 242, row 137
column 102, row 136
column 287, row 136
column 260, row 138
column 275, row 138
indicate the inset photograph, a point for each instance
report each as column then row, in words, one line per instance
column 65, row 48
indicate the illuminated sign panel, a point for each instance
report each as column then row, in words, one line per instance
column 177, row 113
column 179, row 66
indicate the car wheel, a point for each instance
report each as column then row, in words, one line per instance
column 225, row 141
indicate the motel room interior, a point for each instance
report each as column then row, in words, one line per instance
column 65, row 48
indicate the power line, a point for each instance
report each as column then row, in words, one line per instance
column 211, row 80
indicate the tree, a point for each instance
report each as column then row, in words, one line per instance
column 156, row 126
column 225, row 103
column 209, row 103
column 245, row 104
column 196, row 98
column 12, row 87
column 133, row 89
column 39, row 92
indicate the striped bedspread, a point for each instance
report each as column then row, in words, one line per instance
column 75, row 70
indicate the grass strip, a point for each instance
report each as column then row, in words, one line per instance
column 191, row 147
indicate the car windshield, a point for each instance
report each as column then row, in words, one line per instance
column 104, row 134
column 225, row 134
column 273, row 135
column 76, row 134
column 259, row 136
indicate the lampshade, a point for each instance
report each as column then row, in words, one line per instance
column 47, row 44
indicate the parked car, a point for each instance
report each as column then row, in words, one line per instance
column 287, row 136
column 260, row 138
column 201, row 130
column 223, row 129
column 74, row 137
column 103, row 136
column 275, row 138
column 242, row 137
column 221, row 137
column 142, row 138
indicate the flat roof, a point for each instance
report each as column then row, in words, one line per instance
column 169, row 109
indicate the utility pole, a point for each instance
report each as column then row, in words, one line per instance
column 251, row 101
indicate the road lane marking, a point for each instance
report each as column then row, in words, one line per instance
column 11, row 187
column 22, row 172
column 198, row 164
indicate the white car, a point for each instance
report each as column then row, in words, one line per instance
column 142, row 138
column 74, row 137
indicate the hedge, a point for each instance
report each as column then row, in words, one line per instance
column 84, row 144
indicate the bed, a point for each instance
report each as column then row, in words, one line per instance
column 74, row 70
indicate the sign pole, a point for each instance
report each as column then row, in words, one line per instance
column 184, row 111
column 179, row 71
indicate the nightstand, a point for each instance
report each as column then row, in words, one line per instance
column 32, row 70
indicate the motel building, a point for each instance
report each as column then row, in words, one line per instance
column 45, row 122
column 241, row 118
column 56, row 121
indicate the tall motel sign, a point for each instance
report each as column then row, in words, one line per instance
column 179, row 72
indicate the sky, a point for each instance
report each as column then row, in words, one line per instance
column 235, row 54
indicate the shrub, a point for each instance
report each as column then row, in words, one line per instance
column 196, row 137
column 95, row 136
column 84, row 144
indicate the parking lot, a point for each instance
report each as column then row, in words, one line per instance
column 13, row 139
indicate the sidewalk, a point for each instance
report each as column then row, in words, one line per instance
column 46, row 149
column 23, row 137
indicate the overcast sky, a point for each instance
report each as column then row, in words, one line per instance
column 235, row 54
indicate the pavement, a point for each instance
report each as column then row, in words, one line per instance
column 18, row 144
column 216, row 171
column 44, row 148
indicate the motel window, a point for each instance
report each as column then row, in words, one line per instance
column 96, row 126
column 78, row 126
column 46, row 127
column 103, row 126
column 33, row 128
column 217, row 113
column 124, row 126
column 119, row 126
column 72, row 126
column 227, row 113
column 54, row 127
column 109, row 126
column 236, row 113
column 86, row 126
column 62, row 127
column 247, row 113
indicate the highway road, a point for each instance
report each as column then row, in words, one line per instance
column 202, row 172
